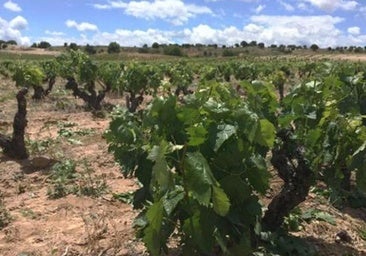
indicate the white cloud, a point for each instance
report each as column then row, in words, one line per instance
column 11, row 30
column 298, row 29
column 174, row 11
column 287, row 6
column 111, row 5
column 12, row 6
column 18, row 23
column 354, row 30
column 134, row 37
column 54, row 33
column 83, row 26
column 332, row 5
column 259, row 9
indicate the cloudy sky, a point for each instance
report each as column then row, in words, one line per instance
column 138, row 22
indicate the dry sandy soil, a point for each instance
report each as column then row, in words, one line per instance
column 100, row 225
column 310, row 55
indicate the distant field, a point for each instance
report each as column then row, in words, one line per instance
column 133, row 53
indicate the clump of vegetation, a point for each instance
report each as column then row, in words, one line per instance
column 228, row 53
column 114, row 47
column 173, row 50
column 39, row 147
column 5, row 217
column 82, row 78
column 88, row 184
column 66, row 180
column 62, row 176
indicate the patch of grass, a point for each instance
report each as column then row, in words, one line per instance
column 89, row 184
column 6, row 97
column 5, row 217
column 66, row 131
column 63, row 173
column 96, row 228
column 65, row 180
column 39, row 147
column 29, row 213
column 294, row 221
column 362, row 232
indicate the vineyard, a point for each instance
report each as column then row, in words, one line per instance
column 236, row 156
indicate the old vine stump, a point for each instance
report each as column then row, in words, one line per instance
column 15, row 146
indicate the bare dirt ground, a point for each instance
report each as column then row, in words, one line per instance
column 28, row 50
column 100, row 225
column 71, row 225
column 310, row 55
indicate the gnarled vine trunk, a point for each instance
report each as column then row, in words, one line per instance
column 15, row 147
column 133, row 101
column 92, row 98
column 39, row 92
column 293, row 169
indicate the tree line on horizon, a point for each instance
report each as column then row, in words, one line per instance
column 176, row 49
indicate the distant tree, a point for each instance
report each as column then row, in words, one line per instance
column 358, row 49
column 261, row 45
column 34, row 45
column 145, row 46
column 253, row 43
column 173, row 50
column 73, row 46
column 273, row 45
column 155, row 45
column 340, row 49
column 89, row 49
column 114, row 47
column 314, row 47
column 228, row 53
column 244, row 44
column 65, row 44
column 44, row 45
column 143, row 50
column 292, row 47
column 3, row 44
column 237, row 45
column 12, row 42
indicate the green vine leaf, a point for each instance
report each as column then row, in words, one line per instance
column 160, row 170
column 152, row 233
column 266, row 134
column 172, row 199
column 199, row 178
column 221, row 203
column 225, row 131
column 197, row 135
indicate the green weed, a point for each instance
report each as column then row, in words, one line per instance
column 65, row 180
column 63, row 173
column 5, row 217
column 89, row 184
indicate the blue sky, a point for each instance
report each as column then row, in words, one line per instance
column 138, row 22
